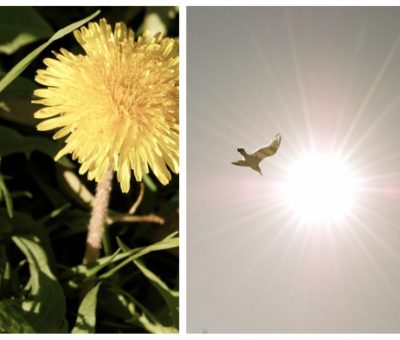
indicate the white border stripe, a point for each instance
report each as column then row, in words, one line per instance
column 280, row 3
column 182, row 172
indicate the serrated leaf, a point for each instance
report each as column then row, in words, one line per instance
column 20, row 26
column 86, row 320
column 45, row 306
column 25, row 62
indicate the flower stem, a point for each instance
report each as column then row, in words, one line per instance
column 98, row 219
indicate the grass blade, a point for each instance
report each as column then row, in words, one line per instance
column 24, row 63
column 163, row 245
column 170, row 296
column 7, row 197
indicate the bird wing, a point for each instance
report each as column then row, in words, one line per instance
column 240, row 163
column 269, row 150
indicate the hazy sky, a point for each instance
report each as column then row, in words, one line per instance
column 328, row 79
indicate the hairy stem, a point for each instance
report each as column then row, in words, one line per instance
column 98, row 219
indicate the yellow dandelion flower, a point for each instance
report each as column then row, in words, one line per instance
column 117, row 104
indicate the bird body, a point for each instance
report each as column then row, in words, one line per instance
column 253, row 160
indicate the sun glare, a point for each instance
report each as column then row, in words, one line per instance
column 320, row 189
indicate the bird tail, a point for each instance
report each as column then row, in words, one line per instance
column 239, row 163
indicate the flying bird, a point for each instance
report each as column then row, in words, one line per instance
column 253, row 160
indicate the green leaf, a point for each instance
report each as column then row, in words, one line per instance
column 149, row 183
column 21, row 193
column 72, row 185
column 6, row 227
column 55, row 213
column 167, row 243
column 7, row 278
column 54, row 196
column 88, row 271
column 12, row 318
column 120, row 304
column 170, row 296
column 45, row 306
column 21, row 86
column 24, row 63
column 156, row 328
column 4, row 107
column 21, row 223
column 16, row 99
column 158, row 19
column 12, row 142
column 7, row 197
column 20, row 26
column 170, row 206
column 86, row 320
column 76, row 222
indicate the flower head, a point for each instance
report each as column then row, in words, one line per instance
column 117, row 104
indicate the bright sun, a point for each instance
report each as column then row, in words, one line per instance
column 320, row 189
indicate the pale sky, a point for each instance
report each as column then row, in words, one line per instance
column 328, row 79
